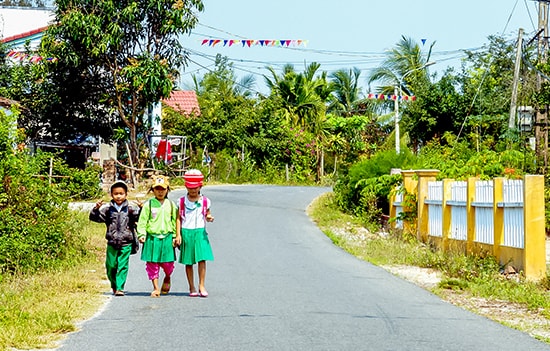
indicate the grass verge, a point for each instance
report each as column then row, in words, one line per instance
column 38, row 310
column 474, row 283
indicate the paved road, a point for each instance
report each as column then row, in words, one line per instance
column 277, row 283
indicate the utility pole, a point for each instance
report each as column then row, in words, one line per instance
column 513, row 104
column 541, row 116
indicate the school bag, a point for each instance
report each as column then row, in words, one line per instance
column 182, row 207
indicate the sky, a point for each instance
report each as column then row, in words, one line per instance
column 348, row 33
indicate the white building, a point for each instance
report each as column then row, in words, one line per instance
column 18, row 24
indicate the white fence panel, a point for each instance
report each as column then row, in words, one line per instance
column 435, row 208
column 459, row 217
column 514, row 235
column 483, row 204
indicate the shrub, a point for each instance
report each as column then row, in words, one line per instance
column 33, row 231
column 367, row 186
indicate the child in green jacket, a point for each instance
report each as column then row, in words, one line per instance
column 156, row 229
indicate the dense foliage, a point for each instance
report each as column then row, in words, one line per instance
column 34, row 231
column 118, row 59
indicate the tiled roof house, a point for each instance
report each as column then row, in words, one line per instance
column 184, row 101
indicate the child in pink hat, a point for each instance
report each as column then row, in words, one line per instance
column 194, row 212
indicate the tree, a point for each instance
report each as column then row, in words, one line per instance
column 346, row 91
column 302, row 98
column 298, row 94
column 129, row 51
column 439, row 108
column 230, row 118
column 404, row 58
column 402, row 69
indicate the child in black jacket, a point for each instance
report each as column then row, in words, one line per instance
column 120, row 218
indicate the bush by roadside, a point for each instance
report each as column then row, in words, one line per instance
column 34, row 229
column 39, row 308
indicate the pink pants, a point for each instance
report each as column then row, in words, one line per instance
column 153, row 269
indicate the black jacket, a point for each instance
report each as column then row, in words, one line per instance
column 120, row 224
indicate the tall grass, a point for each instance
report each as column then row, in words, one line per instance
column 37, row 309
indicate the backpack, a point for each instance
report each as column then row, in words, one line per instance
column 182, row 207
column 171, row 208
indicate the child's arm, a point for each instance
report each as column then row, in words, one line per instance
column 96, row 215
column 142, row 222
column 177, row 240
column 209, row 217
column 134, row 216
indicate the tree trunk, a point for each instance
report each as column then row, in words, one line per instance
column 133, row 156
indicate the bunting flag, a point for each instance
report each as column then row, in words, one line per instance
column 21, row 56
column 254, row 42
column 391, row 97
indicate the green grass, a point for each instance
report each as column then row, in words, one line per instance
column 37, row 310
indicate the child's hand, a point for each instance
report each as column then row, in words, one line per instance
column 142, row 239
column 177, row 241
column 98, row 204
column 209, row 218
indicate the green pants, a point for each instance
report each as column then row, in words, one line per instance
column 116, row 264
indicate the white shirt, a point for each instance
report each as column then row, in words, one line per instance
column 194, row 217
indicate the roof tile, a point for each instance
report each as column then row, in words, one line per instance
column 184, row 101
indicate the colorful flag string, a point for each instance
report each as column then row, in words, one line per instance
column 391, row 97
column 21, row 56
column 255, row 42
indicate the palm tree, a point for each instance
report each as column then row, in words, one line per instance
column 300, row 95
column 404, row 58
column 303, row 99
column 402, row 69
column 224, row 81
column 345, row 85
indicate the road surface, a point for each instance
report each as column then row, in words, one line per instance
column 278, row 283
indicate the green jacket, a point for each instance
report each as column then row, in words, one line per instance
column 157, row 219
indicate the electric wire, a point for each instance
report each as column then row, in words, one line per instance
column 484, row 76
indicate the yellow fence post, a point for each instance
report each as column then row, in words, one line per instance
column 534, row 261
column 409, row 183
column 498, row 216
column 470, row 213
column 424, row 176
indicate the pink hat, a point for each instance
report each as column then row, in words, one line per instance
column 193, row 178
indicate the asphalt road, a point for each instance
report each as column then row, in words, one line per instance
column 278, row 283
